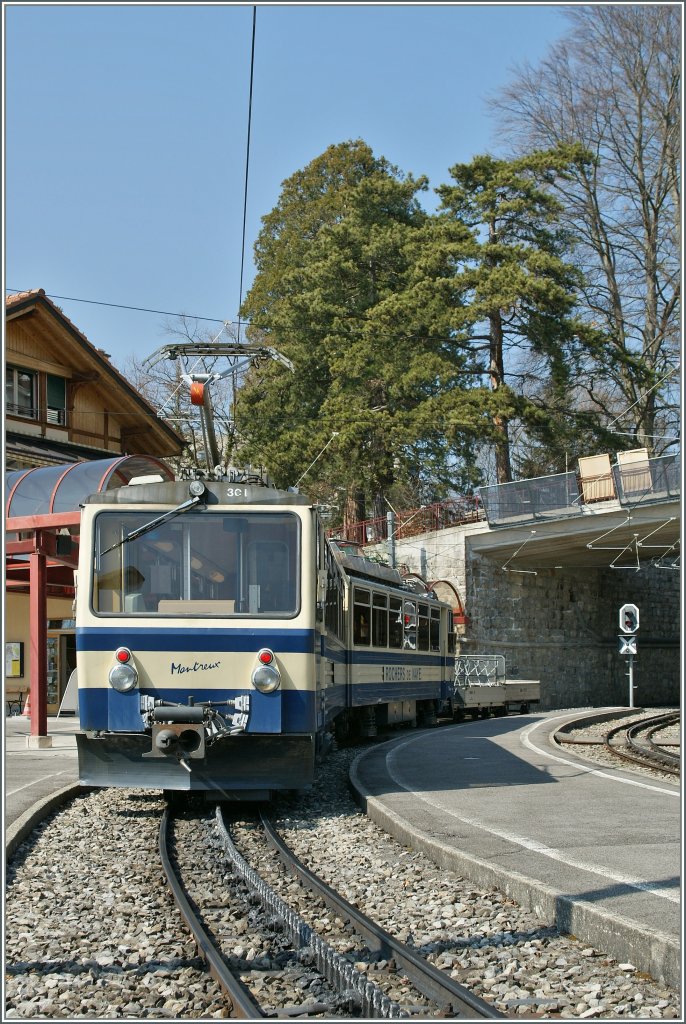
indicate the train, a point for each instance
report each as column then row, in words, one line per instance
column 225, row 644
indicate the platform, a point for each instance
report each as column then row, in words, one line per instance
column 594, row 850
column 34, row 776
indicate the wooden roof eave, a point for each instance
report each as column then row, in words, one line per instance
column 133, row 404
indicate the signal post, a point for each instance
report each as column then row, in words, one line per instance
column 628, row 623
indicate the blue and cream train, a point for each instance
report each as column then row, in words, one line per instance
column 223, row 642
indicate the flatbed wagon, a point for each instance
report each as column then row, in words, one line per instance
column 481, row 687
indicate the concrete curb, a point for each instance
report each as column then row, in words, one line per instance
column 653, row 952
column 17, row 832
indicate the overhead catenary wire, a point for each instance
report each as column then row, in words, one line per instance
column 247, row 168
column 164, row 312
column 669, row 374
column 352, row 317
column 300, row 330
column 121, row 305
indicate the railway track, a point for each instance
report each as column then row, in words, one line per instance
column 242, row 1003
column 637, row 743
column 634, row 741
column 350, row 991
column 434, row 984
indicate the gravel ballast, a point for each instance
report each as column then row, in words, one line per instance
column 91, row 932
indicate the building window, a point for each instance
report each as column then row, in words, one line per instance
column 21, row 392
column 57, row 399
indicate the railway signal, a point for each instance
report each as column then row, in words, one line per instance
column 628, row 623
column 628, row 618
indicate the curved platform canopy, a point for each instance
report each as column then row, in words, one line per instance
column 51, row 490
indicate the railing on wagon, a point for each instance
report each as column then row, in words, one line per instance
column 479, row 669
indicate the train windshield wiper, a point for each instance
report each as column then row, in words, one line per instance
column 147, row 527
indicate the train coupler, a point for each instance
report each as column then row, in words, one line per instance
column 182, row 740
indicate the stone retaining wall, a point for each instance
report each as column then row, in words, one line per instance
column 560, row 625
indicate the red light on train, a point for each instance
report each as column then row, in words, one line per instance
column 265, row 656
column 123, row 654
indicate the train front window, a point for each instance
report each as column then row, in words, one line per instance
column 207, row 564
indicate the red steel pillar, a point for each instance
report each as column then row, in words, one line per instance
column 38, row 619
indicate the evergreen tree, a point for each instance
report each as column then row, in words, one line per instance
column 519, row 292
column 355, row 284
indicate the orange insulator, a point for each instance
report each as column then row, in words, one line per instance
column 197, row 393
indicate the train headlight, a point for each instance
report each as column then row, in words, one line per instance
column 266, row 678
column 123, row 678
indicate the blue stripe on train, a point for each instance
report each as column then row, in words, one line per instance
column 378, row 692
column 108, row 638
column 408, row 658
column 377, row 657
column 278, row 712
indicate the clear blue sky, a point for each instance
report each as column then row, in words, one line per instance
column 126, row 125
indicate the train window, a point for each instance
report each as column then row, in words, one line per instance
column 423, row 628
column 395, row 623
column 268, row 572
column 333, row 612
column 452, row 645
column 380, row 620
column 435, row 629
column 361, row 617
column 331, row 608
column 334, row 605
column 206, row 564
column 410, row 625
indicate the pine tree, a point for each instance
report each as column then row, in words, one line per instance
column 519, row 291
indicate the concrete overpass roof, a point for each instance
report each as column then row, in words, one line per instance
column 607, row 535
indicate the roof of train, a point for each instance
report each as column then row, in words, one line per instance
column 222, row 492
column 360, row 566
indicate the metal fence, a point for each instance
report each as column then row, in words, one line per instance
column 544, row 497
column 479, row 669
column 648, row 480
column 426, row 519
column 640, row 482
